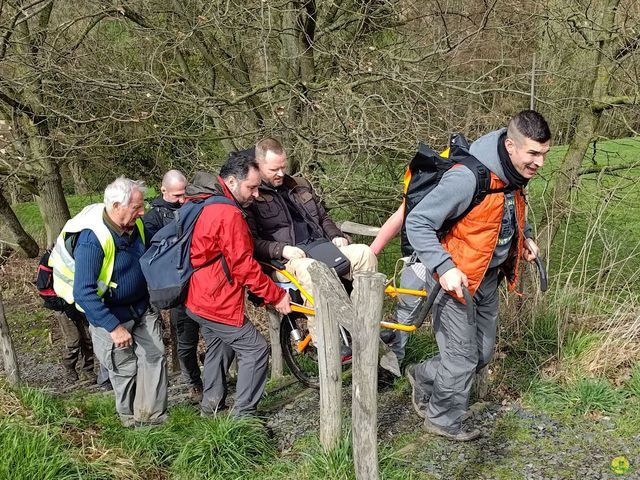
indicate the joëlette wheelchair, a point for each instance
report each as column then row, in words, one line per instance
column 299, row 351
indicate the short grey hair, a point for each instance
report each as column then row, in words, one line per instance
column 173, row 177
column 120, row 190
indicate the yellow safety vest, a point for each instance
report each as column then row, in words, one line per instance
column 63, row 263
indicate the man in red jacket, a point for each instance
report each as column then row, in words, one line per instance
column 217, row 291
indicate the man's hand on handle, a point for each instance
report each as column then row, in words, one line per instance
column 289, row 252
column 453, row 280
column 121, row 337
column 340, row 242
column 284, row 305
column 531, row 250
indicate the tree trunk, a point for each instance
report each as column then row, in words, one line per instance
column 53, row 205
column 80, row 185
column 569, row 177
column 19, row 237
column 587, row 125
column 8, row 352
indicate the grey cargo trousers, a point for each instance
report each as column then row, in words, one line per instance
column 464, row 348
column 138, row 373
column 252, row 351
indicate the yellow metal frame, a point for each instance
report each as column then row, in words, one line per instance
column 389, row 290
column 393, row 291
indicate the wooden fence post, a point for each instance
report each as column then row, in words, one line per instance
column 331, row 304
column 8, row 352
column 277, row 367
column 367, row 298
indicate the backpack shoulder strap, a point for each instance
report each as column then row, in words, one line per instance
column 301, row 181
column 219, row 200
column 483, row 178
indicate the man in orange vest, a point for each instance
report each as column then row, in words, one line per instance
column 476, row 253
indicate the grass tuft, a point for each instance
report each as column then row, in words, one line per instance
column 581, row 397
column 335, row 464
column 420, row 346
column 223, row 448
column 578, row 344
column 542, row 335
column 633, row 384
column 594, row 395
column 29, row 453
column 44, row 406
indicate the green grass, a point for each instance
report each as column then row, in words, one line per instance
column 187, row 445
column 633, row 384
column 620, row 220
column 581, row 397
column 421, row 346
column 44, row 406
column 29, row 327
column 541, row 337
column 29, row 453
column 594, row 395
column 223, row 448
column 510, row 428
column 338, row 464
column 577, row 344
column 29, row 214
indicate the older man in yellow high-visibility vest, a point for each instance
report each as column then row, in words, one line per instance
column 96, row 265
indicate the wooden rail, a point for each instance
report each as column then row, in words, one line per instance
column 358, row 229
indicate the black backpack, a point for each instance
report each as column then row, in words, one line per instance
column 44, row 284
column 425, row 172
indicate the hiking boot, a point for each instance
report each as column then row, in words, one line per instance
column 459, row 434
column 385, row 378
column 419, row 399
column 195, row 394
column 105, row 386
column 70, row 375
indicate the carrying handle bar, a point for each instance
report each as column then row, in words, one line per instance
column 543, row 274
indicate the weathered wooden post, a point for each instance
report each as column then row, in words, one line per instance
column 332, row 305
column 277, row 367
column 8, row 352
column 367, row 298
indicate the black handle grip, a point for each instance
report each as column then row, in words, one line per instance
column 471, row 314
column 543, row 274
column 425, row 308
column 277, row 264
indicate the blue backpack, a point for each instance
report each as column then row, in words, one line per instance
column 167, row 265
